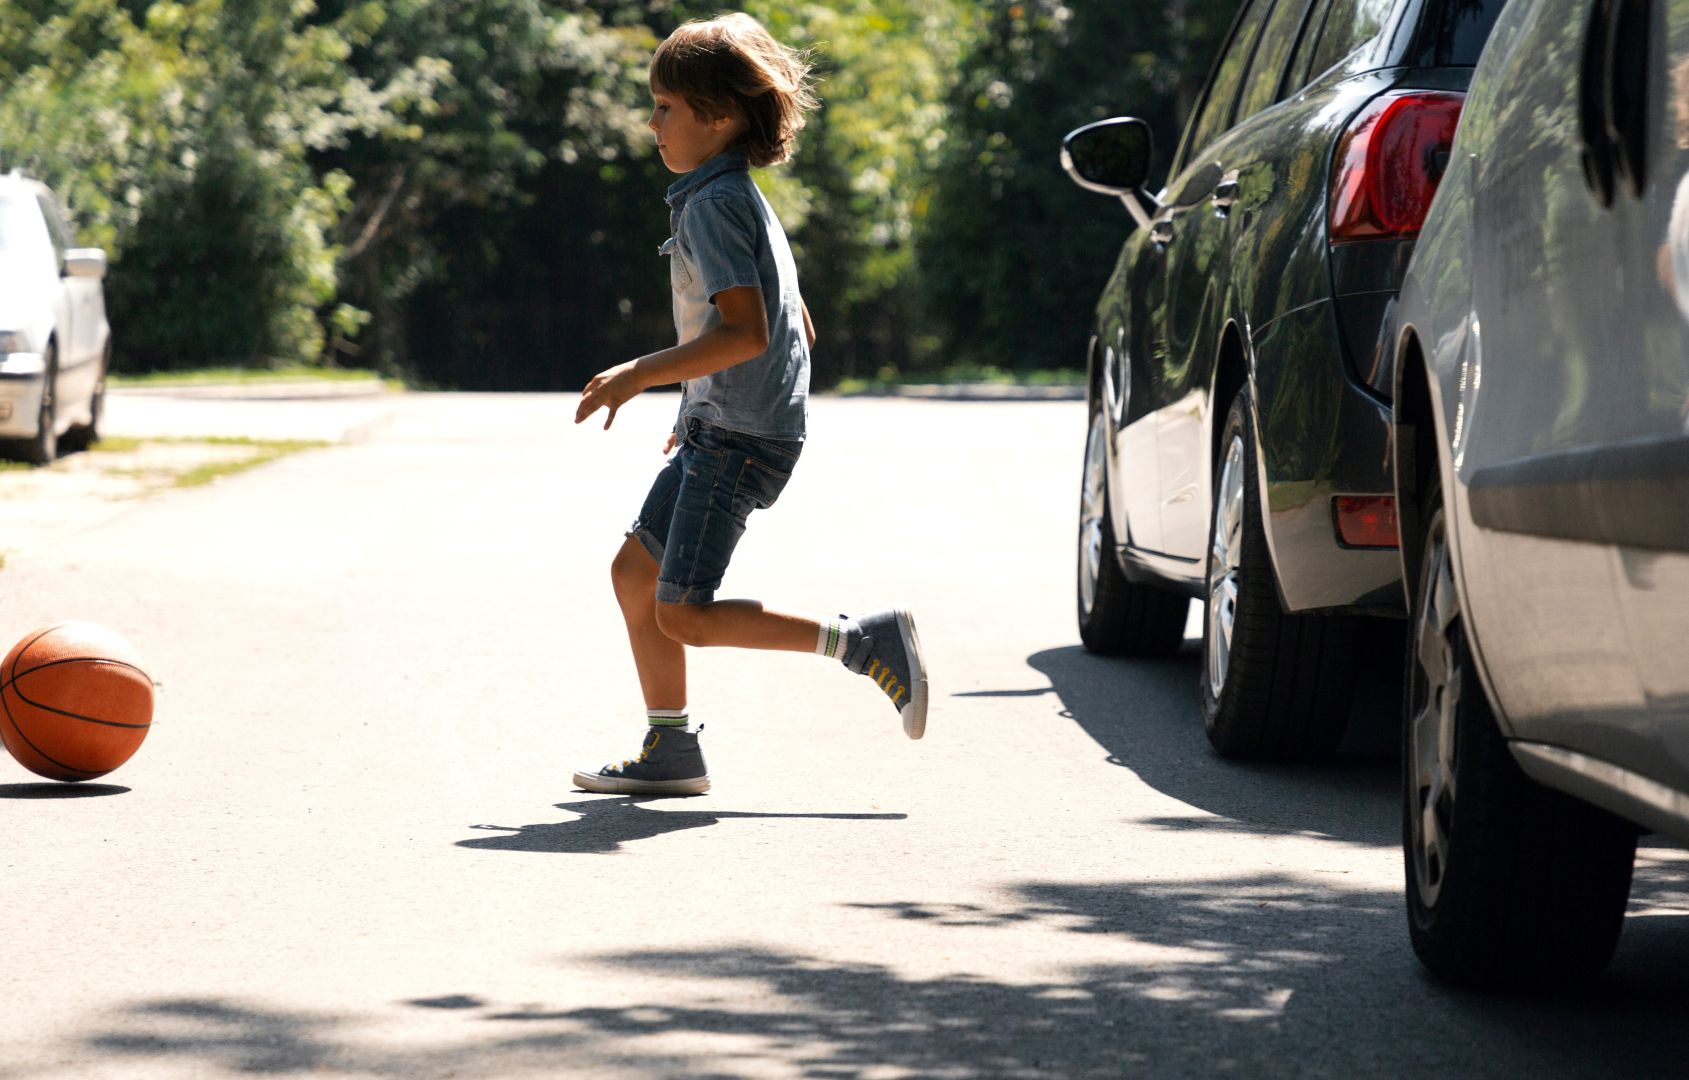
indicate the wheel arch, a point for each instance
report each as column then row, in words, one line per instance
column 1413, row 449
column 1231, row 373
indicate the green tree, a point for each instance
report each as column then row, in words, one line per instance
column 1011, row 254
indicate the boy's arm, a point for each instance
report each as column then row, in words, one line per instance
column 741, row 334
column 808, row 326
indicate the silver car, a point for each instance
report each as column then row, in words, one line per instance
column 1541, row 461
column 55, row 343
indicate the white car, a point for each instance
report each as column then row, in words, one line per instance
column 1542, row 476
column 55, row 343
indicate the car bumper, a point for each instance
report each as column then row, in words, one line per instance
column 1302, row 472
column 22, row 378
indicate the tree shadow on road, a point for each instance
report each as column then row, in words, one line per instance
column 604, row 825
column 1249, row 975
column 1144, row 714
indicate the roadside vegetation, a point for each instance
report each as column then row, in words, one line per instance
column 462, row 193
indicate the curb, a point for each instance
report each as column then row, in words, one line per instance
column 281, row 390
column 972, row 392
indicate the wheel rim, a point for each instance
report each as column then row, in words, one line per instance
column 1434, row 708
column 1092, row 505
column 1224, row 558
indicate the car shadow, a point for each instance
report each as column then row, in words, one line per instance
column 1144, row 715
column 604, row 825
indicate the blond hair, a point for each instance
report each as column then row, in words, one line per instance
column 731, row 66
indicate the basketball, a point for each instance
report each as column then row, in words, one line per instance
column 75, row 702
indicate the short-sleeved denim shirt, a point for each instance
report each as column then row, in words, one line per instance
column 726, row 235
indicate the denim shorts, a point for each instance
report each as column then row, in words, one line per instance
column 695, row 514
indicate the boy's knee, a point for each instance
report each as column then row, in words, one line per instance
column 633, row 572
column 684, row 623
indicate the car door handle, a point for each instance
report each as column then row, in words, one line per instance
column 1225, row 194
column 1161, row 232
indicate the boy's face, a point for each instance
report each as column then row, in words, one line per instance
column 683, row 139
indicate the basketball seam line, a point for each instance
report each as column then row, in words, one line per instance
column 17, row 727
column 18, row 659
column 75, row 660
column 13, row 687
column 16, row 675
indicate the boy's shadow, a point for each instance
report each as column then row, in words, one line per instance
column 604, row 825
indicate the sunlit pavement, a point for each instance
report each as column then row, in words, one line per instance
column 350, row 846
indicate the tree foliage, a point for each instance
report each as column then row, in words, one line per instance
column 463, row 191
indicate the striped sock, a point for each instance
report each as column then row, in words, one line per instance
column 669, row 718
column 834, row 638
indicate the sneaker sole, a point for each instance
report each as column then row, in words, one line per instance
column 914, row 713
column 611, row 785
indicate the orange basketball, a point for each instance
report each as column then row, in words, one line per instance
column 74, row 701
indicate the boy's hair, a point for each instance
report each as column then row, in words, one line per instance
column 730, row 65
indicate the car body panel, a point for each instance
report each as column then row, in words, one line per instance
column 1555, row 331
column 51, row 308
column 1319, row 431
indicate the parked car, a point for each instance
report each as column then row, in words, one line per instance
column 55, row 343
column 1239, row 417
column 1542, row 470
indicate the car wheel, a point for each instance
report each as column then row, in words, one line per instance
column 1509, row 883
column 1273, row 686
column 1117, row 617
column 45, row 446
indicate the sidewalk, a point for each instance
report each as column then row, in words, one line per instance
column 85, row 490
column 299, row 409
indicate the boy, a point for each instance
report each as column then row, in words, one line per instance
column 727, row 97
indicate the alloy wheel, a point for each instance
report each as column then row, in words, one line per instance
column 1225, row 557
column 1434, row 684
column 1093, row 504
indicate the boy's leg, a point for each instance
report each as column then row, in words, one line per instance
column 883, row 646
column 739, row 624
column 659, row 658
column 670, row 761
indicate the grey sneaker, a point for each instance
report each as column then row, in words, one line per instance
column 669, row 763
column 889, row 652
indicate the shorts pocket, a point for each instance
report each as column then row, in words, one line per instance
column 760, row 484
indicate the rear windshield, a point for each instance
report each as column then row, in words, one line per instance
column 1457, row 30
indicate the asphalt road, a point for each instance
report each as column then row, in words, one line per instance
column 350, row 846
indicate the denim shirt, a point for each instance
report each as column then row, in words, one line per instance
column 726, row 235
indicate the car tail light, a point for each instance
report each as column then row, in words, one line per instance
column 1388, row 164
column 1366, row 520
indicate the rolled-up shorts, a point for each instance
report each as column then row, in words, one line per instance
column 696, row 511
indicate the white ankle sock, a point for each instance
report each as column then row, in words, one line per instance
column 673, row 719
column 834, row 637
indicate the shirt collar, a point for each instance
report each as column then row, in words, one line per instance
column 726, row 161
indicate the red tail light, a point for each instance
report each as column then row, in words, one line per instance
column 1366, row 520
column 1388, row 165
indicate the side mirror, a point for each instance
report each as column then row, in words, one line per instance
column 1112, row 157
column 85, row 262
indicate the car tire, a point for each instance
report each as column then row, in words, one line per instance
column 1117, row 617
column 1273, row 686
column 44, row 447
column 1511, row 884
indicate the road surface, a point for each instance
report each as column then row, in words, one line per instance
column 350, row 846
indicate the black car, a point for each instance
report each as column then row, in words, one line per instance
column 1239, row 413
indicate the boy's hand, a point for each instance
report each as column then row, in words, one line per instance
column 609, row 389
column 668, row 446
